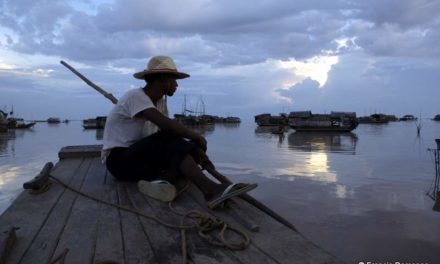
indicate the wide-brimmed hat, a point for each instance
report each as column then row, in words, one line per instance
column 160, row 64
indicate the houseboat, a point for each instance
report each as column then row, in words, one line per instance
column 374, row 119
column 232, row 120
column 53, row 120
column 269, row 120
column 19, row 123
column 3, row 121
column 95, row 123
column 408, row 118
column 335, row 121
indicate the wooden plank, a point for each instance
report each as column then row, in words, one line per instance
column 199, row 250
column 79, row 233
column 109, row 243
column 29, row 212
column 165, row 242
column 80, row 151
column 295, row 248
column 137, row 246
column 44, row 244
column 251, row 254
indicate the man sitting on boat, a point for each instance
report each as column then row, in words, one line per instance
column 142, row 144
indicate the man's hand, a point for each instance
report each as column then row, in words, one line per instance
column 201, row 143
column 204, row 160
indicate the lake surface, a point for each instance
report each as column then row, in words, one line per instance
column 361, row 195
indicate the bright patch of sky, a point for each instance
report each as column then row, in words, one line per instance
column 90, row 7
column 316, row 68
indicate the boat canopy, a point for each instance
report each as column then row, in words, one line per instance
column 300, row 114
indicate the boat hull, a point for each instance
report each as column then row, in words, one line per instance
column 334, row 122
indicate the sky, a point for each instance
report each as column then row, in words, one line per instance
column 245, row 57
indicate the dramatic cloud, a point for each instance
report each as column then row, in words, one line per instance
column 245, row 57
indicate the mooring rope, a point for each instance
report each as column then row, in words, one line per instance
column 203, row 222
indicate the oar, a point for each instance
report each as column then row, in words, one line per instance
column 250, row 199
column 91, row 84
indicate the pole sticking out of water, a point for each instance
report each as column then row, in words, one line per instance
column 419, row 125
column 436, row 190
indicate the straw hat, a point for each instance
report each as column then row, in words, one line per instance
column 160, row 64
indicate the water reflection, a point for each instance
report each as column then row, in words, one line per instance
column 7, row 142
column 323, row 141
column 228, row 125
column 203, row 130
column 314, row 165
column 272, row 132
column 3, row 142
column 99, row 134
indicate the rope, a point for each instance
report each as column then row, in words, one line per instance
column 41, row 190
column 204, row 223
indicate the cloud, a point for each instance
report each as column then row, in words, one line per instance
column 244, row 57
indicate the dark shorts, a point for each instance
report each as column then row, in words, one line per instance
column 150, row 156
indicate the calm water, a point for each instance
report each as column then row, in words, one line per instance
column 361, row 195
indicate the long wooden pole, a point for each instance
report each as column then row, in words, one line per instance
column 250, row 199
column 210, row 169
column 90, row 83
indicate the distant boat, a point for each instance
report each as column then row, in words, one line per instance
column 269, row 120
column 408, row 118
column 53, row 120
column 335, row 121
column 95, row 123
column 232, row 120
column 374, row 119
column 19, row 123
column 436, row 117
column 3, row 121
column 192, row 120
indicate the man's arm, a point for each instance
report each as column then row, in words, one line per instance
column 167, row 124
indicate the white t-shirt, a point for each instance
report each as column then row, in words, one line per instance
column 122, row 129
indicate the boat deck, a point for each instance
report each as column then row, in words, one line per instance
column 61, row 220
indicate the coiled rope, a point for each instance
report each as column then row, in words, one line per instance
column 204, row 223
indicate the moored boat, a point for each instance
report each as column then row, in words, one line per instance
column 270, row 120
column 335, row 121
column 408, row 118
column 53, row 120
column 19, row 123
column 95, row 123
column 232, row 120
column 3, row 121
column 374, row 119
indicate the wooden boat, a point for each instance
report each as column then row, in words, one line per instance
column 374, row 119
column 3, row 121
column 232, row 120
column 408, row 118
column 53, row 120
column 335, row 121
column 63, row 222
column 19, row 123
column 95, row 123
column 269, row 120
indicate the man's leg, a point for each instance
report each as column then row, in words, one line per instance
column 189, row 168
